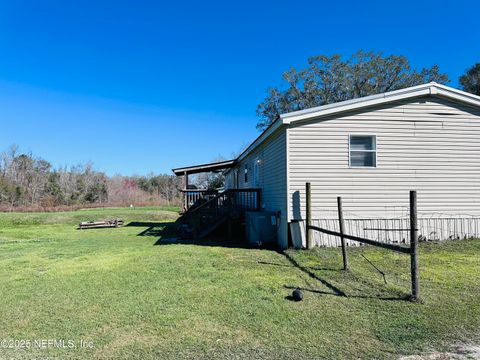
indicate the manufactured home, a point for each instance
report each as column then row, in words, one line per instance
column 371, row 151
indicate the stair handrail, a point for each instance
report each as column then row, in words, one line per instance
column 192, row 211
column 216, row 197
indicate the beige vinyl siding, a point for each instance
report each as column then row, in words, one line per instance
column 229, row 184
column 430, row 145
column 230, row 180
column 272, row 177
column 272, row 171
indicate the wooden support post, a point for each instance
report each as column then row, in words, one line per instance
column 259, row 199
column 185, row 194
column 185, row 180
column 308, row 214
column 342, row 231
column 414, row 246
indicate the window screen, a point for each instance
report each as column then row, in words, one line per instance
column 363, row 151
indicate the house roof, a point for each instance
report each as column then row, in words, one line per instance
column 195, row 169
column 429, row 89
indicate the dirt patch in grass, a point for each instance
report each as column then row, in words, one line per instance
column 459, row 352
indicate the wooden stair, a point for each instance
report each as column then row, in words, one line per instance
column 202, row 220
column 212, row 227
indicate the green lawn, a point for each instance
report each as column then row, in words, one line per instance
column 135, row 299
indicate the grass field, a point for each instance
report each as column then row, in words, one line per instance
column 134, row 295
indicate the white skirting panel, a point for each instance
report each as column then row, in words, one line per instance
column 393, row 231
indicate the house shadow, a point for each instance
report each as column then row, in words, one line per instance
column 297, row 234
column 156, row 229
column 167, row 233
column 296, row 201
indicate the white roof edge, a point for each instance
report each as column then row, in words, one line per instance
column 411, row 92
column 199, row 166
column 431, row 88
column 260, row 139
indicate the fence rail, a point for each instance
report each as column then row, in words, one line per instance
column 393, row 231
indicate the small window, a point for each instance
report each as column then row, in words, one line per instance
column 246, row 173
column 363, row 151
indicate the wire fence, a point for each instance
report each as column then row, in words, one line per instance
column 392, row 230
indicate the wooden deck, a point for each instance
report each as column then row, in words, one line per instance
column 205, row 210
column 208, row 211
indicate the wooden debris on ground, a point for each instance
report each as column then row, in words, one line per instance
column 115, row 223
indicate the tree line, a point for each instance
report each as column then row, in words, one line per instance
column 330, row 79
column 28, row 181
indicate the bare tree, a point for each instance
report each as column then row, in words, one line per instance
column 26, row 180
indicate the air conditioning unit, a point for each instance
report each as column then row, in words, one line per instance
column 261, row 227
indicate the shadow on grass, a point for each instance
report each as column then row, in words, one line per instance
column 334, row 290
column 320, row 292
column 166, row 233
column 273, row 264
column 156, row 229
column 295, row 263
column 291, row 266
column 211, row 242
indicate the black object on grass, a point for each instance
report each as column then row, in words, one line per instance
column 297, row 295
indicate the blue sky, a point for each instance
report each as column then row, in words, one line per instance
column 144, row 86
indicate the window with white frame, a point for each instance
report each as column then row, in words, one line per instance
column 363, row 150
column 245, row 173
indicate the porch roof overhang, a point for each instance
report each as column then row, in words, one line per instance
column 196, row 169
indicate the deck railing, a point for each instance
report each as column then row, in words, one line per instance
column 245, row 199
column 221, row 206
column 195, row 197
